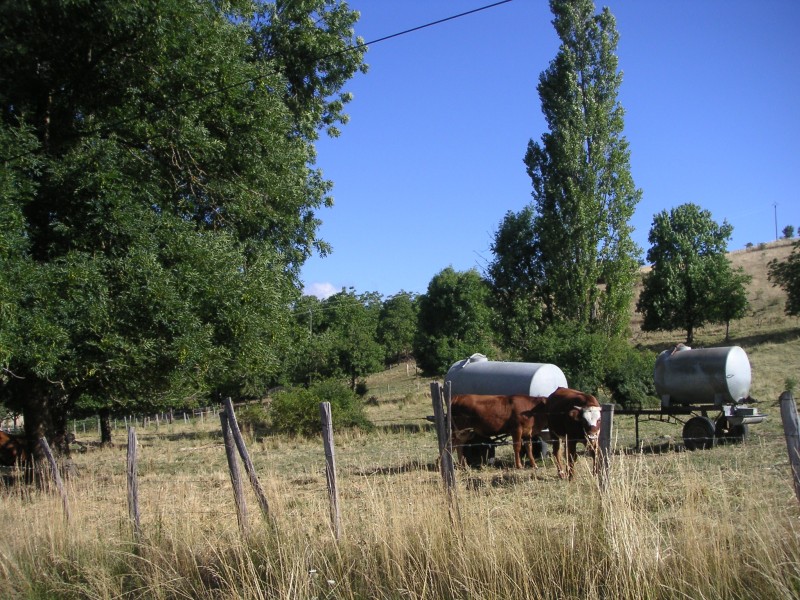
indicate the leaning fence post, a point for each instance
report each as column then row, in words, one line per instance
column 56, row 476
column 236, row 479
column 791, row 429
column 443, row 425
column 330, row 467
column 133, row 485
column 248, row 464
column 604, row 444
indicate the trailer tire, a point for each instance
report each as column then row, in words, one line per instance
column 698, row 434
column 479, row 451
column 730, row 434
column 540, row 448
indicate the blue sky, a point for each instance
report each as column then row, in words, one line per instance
column 431, row 159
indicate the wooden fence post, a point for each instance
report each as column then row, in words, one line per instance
column 133, row 485
column 604, row 444
column 791, row 429
column 56, row 476
column 443, row 433
column 248, row 464
column 330, row 467
column 236, row 479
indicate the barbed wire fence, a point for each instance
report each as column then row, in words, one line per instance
column 441, row 450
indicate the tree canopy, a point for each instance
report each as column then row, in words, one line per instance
column 454, row 320
column 691, row 282
column 583, row 192
column 786, row 274
column 159, row 190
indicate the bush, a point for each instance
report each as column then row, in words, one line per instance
column 592, row 361
column 253, row 419
column 629, row 376
column 296, row 410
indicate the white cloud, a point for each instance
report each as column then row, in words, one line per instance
column 321, row 290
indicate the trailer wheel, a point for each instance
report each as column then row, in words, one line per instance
column 698, row 433
column 731, row 434
column 478, row 451
column 540, row 448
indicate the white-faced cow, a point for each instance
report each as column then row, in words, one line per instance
column 482, row 417
column 573, row 417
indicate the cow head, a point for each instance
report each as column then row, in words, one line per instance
column 589, row 417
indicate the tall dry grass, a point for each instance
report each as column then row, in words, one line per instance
column 715, row 524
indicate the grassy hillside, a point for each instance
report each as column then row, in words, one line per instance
column 766, row 320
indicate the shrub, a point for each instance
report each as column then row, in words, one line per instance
column 592, row 361
column 253, row 419
column 629, row 376
column 296, row 410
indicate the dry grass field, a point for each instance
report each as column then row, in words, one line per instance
column 722, row 523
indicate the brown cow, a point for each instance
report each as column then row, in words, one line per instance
column 487, row 416
column 573, row 417
column 12, row 449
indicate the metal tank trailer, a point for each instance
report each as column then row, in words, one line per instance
column 707, row 390
column 698, row 382
column 479, row 375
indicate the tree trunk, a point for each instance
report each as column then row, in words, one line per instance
column 105, row 427
column 44, row 411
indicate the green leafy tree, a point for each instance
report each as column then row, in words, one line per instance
column 786, row 274
column 732, row 302
column 397, row 325
column 351, row 323
column 583, row 192
column 516, row 278
column 788, row 232
column 454, row 320
column 691, row 277
column 168, row 194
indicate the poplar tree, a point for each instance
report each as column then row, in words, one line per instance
column 583, row 192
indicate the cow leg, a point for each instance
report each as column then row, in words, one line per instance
column 557, row 457
column 457, row 443
column 532, row 460
column 517, row 440
column 572, row 455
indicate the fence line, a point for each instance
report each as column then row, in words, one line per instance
column 441, row 408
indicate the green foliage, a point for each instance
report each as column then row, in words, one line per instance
column 786, row 274
column 397, row 325
column 788, row 232
column 163, row 194
column 342, row 335
column 516, row 278
column 692, row 282
column 592, row 361
column 454, row 321
column 295, row 411
column 583, row 192
column 253, row 418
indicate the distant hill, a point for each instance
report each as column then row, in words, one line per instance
column 766, row 316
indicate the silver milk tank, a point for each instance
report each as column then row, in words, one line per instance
column 478, row 375
column 703, row 376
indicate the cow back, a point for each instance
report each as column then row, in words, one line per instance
column 496, row 415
